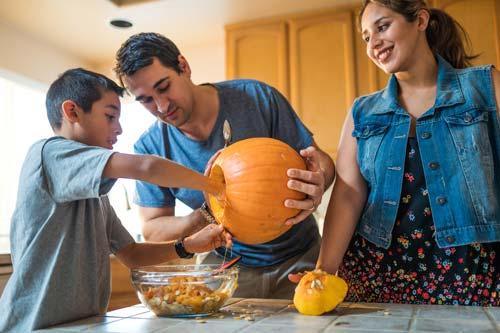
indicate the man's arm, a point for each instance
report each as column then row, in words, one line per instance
column 326, row 165
column 160, row 224
column 145, row 254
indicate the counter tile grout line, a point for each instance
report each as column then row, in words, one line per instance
column 413, row 321
column 496, row 325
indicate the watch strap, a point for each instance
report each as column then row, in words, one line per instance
column 207, row 214
column 181, row 250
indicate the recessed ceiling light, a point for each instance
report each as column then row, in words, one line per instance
column 120, row 23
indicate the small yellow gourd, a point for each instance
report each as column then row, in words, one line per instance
column 319, row 292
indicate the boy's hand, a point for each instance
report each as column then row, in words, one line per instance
column 210, row 237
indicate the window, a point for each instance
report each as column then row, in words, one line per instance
column 23, row 120
column 134, row 119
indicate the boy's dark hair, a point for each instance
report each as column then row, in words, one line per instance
column 81, row 86
column 139, row 50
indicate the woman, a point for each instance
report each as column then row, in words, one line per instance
column 424, row 195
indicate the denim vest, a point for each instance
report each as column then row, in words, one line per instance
column 459, row 142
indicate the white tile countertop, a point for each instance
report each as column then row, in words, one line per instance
column 267, row 315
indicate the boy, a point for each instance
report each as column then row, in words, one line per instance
column 63, row 228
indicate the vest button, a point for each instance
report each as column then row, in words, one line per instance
column 426, row 135
column 450, row 239
column 366, row 131
column 468, row 118
column 441, row 200
column 434, row 165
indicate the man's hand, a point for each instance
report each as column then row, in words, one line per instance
column 310, row 181
column 207, row 239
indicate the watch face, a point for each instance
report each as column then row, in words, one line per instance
column 181, row 250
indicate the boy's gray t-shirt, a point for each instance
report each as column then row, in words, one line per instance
column 62, row 232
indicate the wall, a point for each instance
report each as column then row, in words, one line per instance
column 207, row 61
column 24, row 56
column 31, row 63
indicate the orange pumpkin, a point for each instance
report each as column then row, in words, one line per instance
column 254, row 174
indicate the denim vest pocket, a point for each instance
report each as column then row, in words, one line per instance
column 469, row 131
column 369, row 136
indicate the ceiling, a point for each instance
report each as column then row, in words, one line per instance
column 80, row 27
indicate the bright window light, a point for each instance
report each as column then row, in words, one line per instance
column 23, row 120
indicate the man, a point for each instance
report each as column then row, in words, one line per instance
column 189, row 131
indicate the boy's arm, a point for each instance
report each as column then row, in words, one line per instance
column 160, row 171
column 144, row 254
column 161, row 224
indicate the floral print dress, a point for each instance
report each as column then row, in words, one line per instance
column 414, row 269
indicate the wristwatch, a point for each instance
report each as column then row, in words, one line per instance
column 181, row 250
column 207, row 214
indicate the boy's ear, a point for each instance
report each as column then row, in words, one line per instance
column 70, row 111
column 184, row 66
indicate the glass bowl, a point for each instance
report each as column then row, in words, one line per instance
column 184, row 290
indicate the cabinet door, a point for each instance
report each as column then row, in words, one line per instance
column 258, row 51
column 480, row 18
column 322, row 82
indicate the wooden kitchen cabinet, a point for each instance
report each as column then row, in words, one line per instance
column 122, row 291
column 258, row 51
column 322, row 82
column 481, row 21
column 318, row 59
column 5, row 270
column 480, row 18
column 308, row 58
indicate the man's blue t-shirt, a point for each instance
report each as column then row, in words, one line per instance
column 253, row 109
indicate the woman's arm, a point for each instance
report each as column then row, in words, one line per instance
column 346, row 203
column 496, row 85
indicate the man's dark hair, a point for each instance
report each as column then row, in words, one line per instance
column 139, row 50
column 81, row 86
